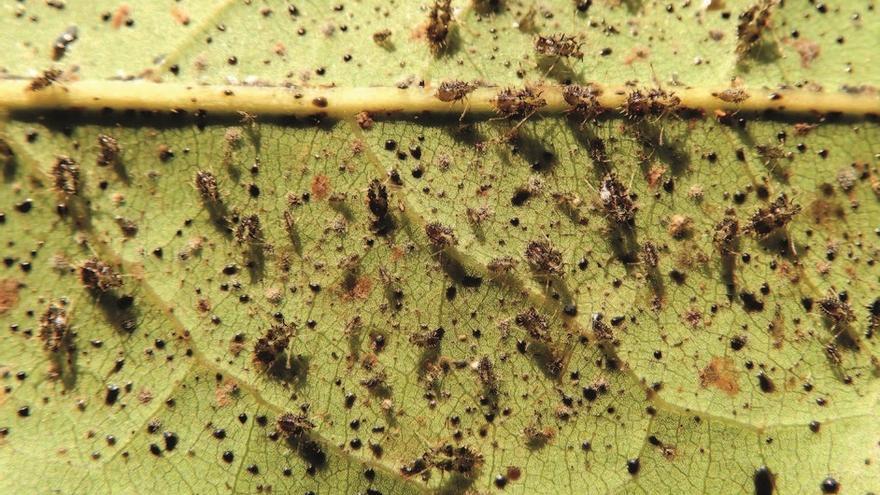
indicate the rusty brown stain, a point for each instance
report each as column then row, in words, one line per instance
column 823, row 210
column 180, row 16
column 721, row 374
column 808, row 51
column 224, row 393
column 122, row 14
column 320, row 186
column 8, row 294
column 362, row 288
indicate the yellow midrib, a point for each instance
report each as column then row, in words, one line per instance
column 341, row 102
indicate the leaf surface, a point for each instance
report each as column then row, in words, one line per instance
column 552, row 305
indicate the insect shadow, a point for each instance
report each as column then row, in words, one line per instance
column 8, row 161
column 655, row 142
column 586, row 136
column 118, row 310
column 533, row 150
column 309, row 450
column 290, row 369
column 457, row 483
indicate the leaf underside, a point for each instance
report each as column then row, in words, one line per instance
column 564, row 305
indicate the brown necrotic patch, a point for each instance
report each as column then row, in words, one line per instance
column 721, row 374
column 8, row 294
column 320, row 186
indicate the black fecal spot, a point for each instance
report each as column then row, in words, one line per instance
column 171, row 440
column 25, row 206
column 155, row 450
column 112, row 395
column 751, row 302
column 765, row 383
column 451, row 292
column 830, row 485
column 737, row 343
column 590, row 393
column 228, row 456
column 632, row 466
column 520, row 196
column 677, row 276
column 764, row 481
column 501, row 481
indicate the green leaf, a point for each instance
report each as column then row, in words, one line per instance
column 304, row 298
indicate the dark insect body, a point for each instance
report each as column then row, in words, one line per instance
column 55, row 328
column 535, row 324
column 108, row 151
column 544, row 258
column 439, row 25
column 775, row 216
column 99, row 276
column 206, row 183
column 584, row 100
column 753, row 22
column 450, row 91
column 616, row 200
column 440, row 235
column 518, row 103
column 46, row 79
column 66, row 174
column 273, row 345
column 294, row 425
column 559, row 45
column 655, row 102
